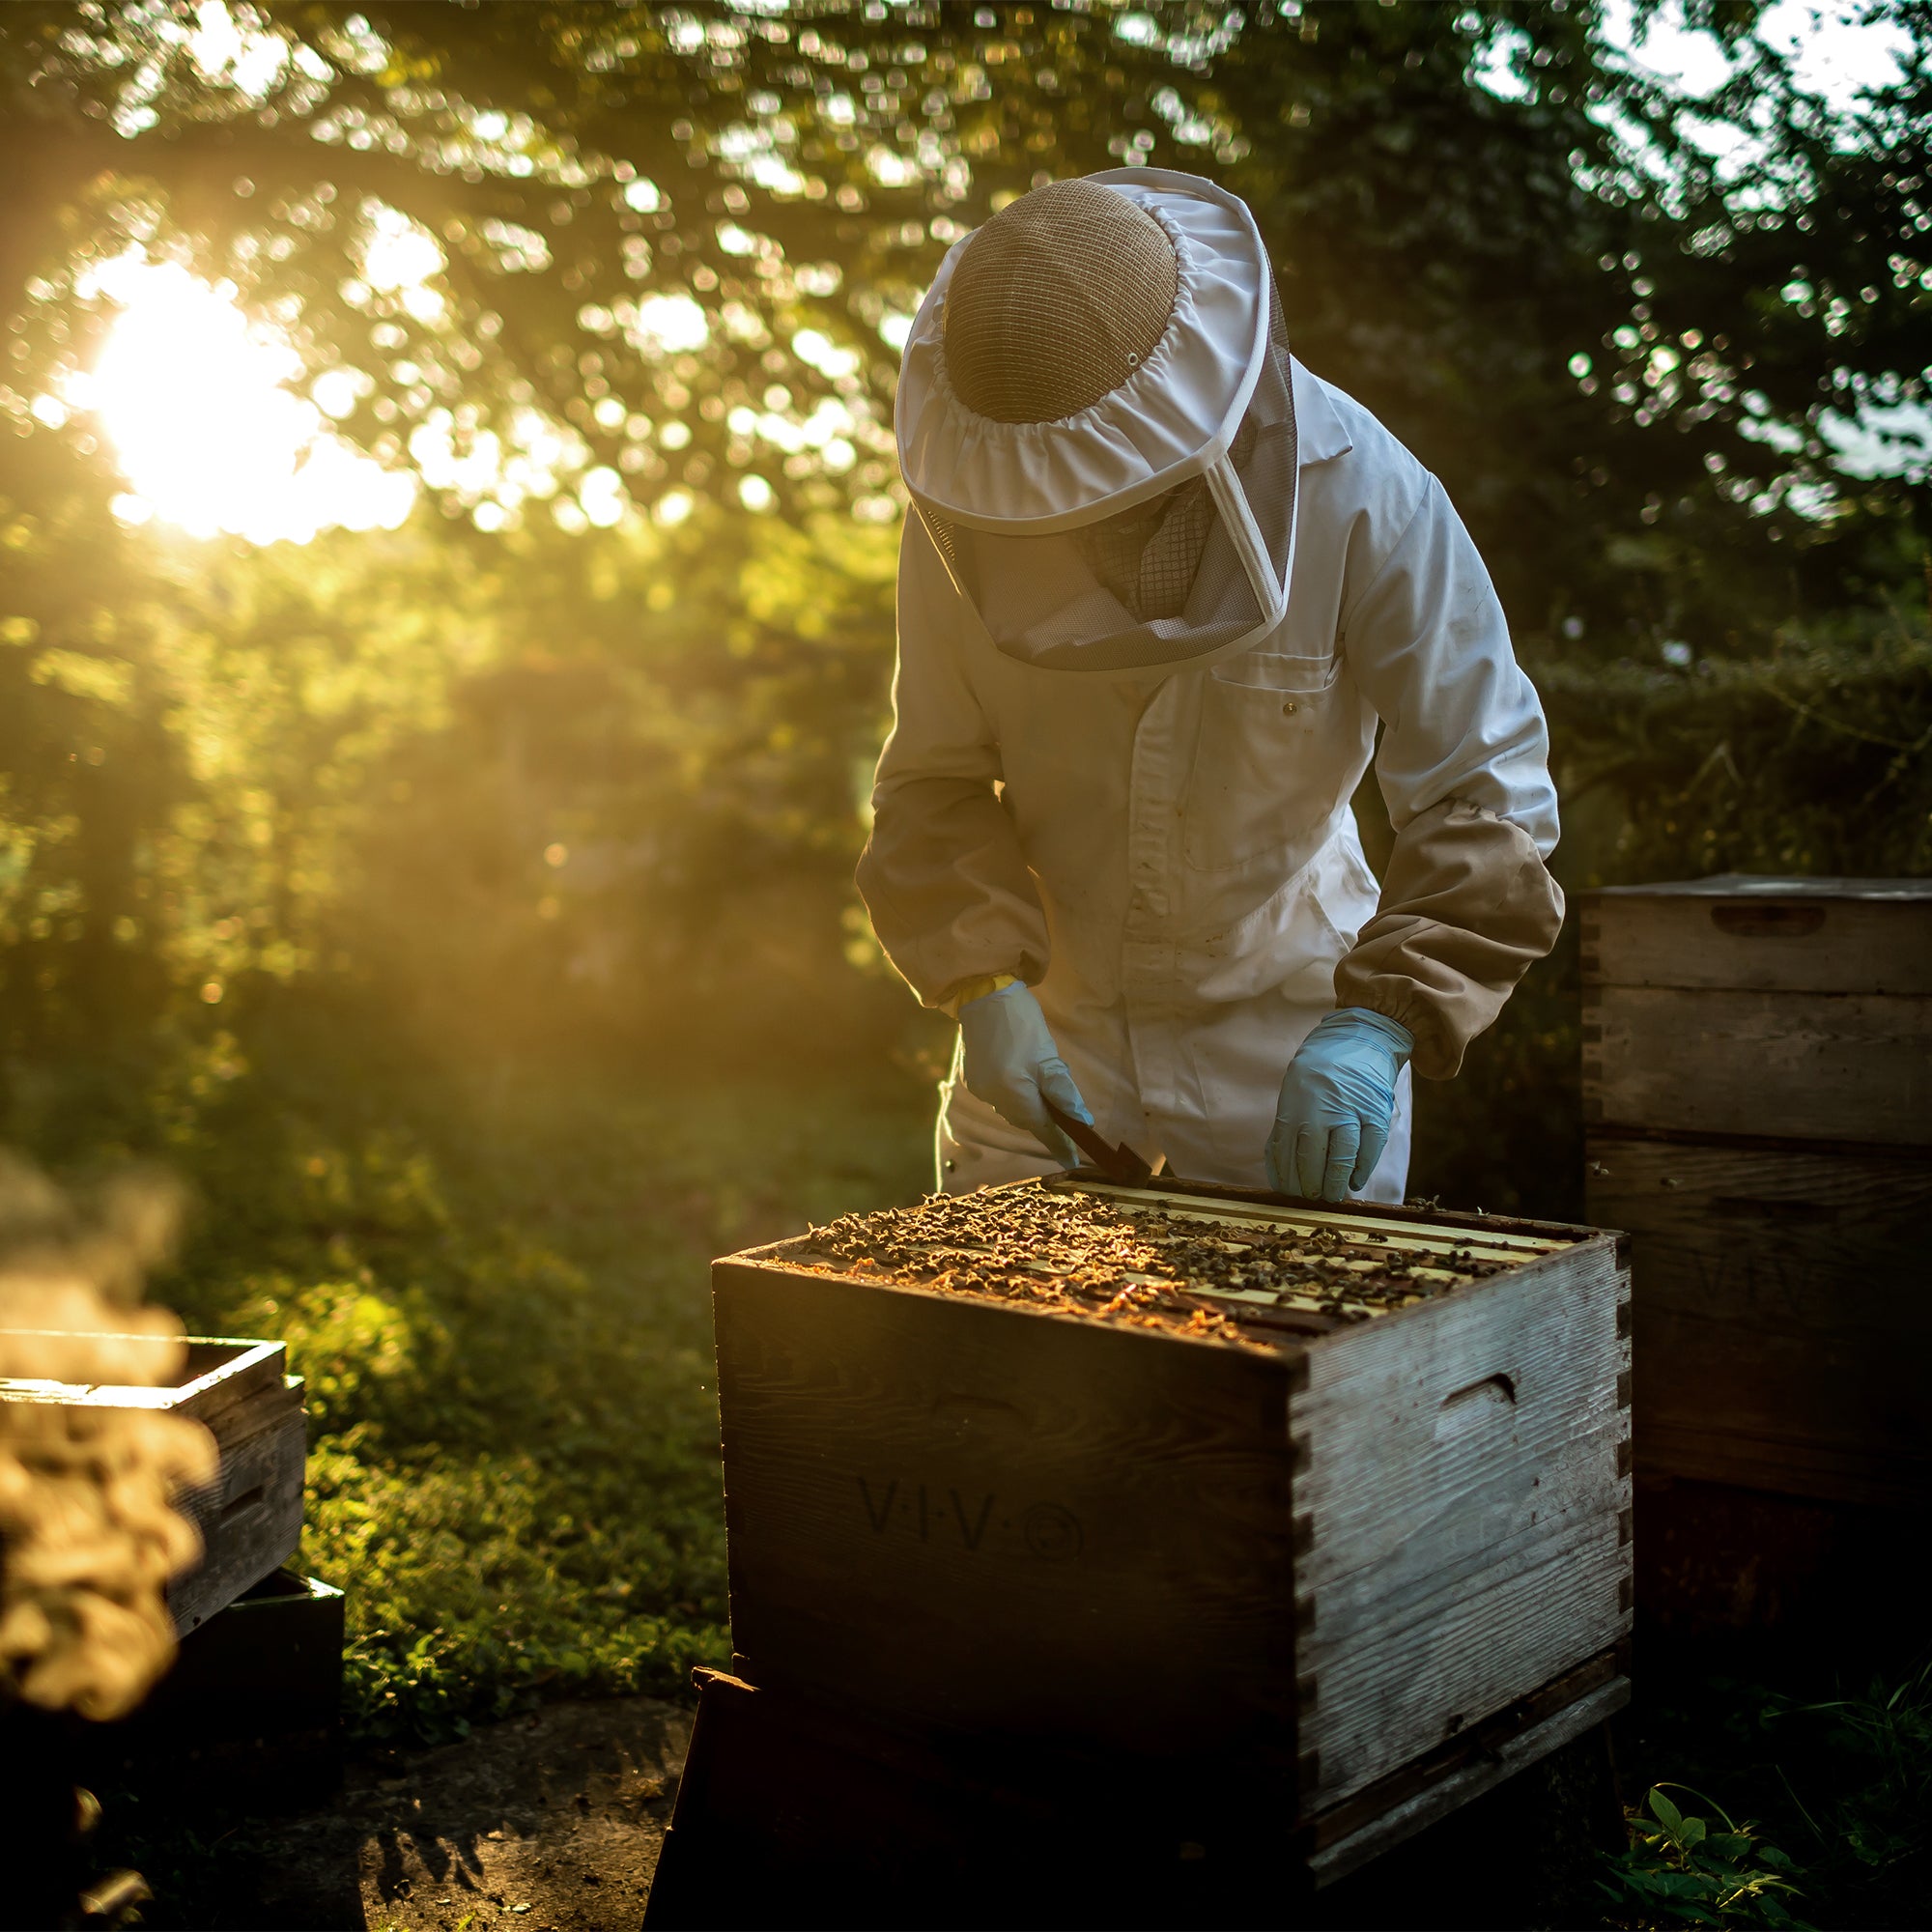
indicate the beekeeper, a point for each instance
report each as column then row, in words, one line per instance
column 1159, row 588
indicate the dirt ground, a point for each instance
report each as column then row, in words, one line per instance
column 553, row 1822
column 545, row 1823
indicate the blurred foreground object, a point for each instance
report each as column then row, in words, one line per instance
column 1757, row 1089
column 88, row 1538
column 248, row 1513
column 88, row 1534
column 1212, row 1542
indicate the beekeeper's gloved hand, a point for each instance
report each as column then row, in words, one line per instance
column 1011, row 1061
column 1337, row 1099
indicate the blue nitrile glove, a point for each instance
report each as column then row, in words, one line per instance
column 1011, row 1061
column 1337, row 1099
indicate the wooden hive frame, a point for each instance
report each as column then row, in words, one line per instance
column 1379, row 1563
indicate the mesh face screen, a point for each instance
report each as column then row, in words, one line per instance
column 1149, row 555
column 1154, row 585
column 1055, row 302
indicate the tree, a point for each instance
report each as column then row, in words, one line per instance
column 667, row 223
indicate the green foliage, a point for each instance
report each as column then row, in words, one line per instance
column 1678, row 1866
column 1814, row 759
column 1505, row 236
column 510, row 781
column 1842, row 1779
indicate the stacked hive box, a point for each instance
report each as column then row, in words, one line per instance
column 1757, row 1080
column 250, row 1516
column 1333, row 1504
column 254, row 1693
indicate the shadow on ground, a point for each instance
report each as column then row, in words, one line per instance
column 552, row 1820
column 556, row 1819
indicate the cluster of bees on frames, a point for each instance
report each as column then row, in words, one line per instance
column 1070, row 1252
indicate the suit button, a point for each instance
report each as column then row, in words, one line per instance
column 1288, row 710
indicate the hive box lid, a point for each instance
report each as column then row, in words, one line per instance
column 218, row 1370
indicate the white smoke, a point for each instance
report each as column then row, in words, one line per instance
column 88, row 1539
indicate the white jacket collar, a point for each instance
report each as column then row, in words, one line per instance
column 1320, row 431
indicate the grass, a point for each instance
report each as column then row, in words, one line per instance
column 495, row 1283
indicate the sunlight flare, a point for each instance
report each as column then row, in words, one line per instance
column 199, row 406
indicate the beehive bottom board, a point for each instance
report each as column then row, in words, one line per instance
column 1177, row 1472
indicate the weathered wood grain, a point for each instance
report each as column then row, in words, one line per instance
column 1814, row 936
column 1341, row 1821
column 1811, row 1066
column 1458, row 1498
column 952, row 1513
column 1481, row 1773
column 250, row 1516
column 1784, row 1330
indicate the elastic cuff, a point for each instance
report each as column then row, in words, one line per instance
column 975, row 989
column 1397, row 1034
column 1427, row 1048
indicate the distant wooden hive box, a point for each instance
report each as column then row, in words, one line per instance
column 250, row 1516
column 1334, row 1498
column 1757, row 1085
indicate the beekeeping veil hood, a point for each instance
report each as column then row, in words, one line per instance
column 1096, row 424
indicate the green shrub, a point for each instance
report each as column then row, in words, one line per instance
column 1681, row 1868
column 1814, row 759
column 493, row 1280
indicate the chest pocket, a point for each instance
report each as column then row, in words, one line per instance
column 1267, row 760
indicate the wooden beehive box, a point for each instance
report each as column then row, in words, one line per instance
column 1368, row 1538
column 250, row 1516
column 1757, row 1082
column 255, row 1693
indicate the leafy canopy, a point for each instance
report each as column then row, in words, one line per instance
column 690, row 237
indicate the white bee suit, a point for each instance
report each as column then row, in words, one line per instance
column 1159, row 838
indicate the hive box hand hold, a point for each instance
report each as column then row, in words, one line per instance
column 1184, row 1474
column 250, row 1516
